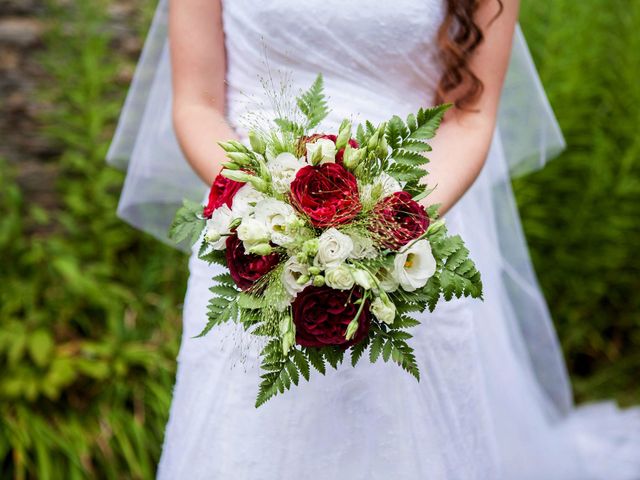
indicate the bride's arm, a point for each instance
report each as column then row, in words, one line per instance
column 198, row 69
column 460, row 148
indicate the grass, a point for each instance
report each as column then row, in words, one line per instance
column 90, row 308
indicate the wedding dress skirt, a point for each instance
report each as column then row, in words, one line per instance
column 494, row 400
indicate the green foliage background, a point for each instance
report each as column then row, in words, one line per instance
column 90, row 308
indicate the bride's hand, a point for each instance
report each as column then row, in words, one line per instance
column 198, row 72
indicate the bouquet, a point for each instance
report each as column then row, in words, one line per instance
column 328, row 248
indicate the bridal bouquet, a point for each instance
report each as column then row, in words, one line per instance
column 327, row 247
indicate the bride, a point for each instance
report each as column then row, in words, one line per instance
column 494, row 401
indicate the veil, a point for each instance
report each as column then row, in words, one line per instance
column 527, row 136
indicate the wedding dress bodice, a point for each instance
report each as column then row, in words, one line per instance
column 378, row 58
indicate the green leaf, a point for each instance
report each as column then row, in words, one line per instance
column 250, row 302
column 357, row 350
column 316, row 359
column 290, row 126
column 188, row 223
column 427, row 122
column 217, row 257
column 293, row 372
column 312, row 103
column 302, row 363
column 333, row 355
column 386, row 350
column 376, row 348
column 224, row 291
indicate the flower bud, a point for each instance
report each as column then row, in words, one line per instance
column 318, row 281
column 435, row 227
column 227, row 146
column 316, row 158
column 302, row 279
column 257, row 143
column 314, row 270
column 231, row 166
column 373, row 141
column 259, row 184
column 344, row 134
column 383, row 148
column 235, row 223
column 310, row 247
column 212, row 236
column 264, row 171
column 238, row 146
column 261, row 249
column 237, row 175
column 350, row 158
column 352, row 328
column 239, row 157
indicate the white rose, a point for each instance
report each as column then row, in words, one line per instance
column 384, row 310
column 291, row 273
column 245, row 200
column 334, row 247
column 327, row 150
column 283, row 170
column 252, row 232
column 362, row 247
column 276, row 216
column 339, row 278
column 386, row 280
column 414, row 266
column 218, row 227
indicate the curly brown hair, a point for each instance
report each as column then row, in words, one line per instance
column 458, row 38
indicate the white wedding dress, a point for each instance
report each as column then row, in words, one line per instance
column 494, row 401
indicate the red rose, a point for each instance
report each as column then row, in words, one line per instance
column 246, row 268
column 327, row 194
column 222, row 191
column 322, row 314
column 334, row 139
column 398, row 219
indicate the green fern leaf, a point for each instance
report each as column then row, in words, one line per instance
column 313, row 104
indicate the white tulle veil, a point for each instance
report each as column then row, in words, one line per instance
column 158, row 178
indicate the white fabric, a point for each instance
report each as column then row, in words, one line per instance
column 158, row 177
column 494, row 401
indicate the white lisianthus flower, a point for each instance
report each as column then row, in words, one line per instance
column 339, row 277
column 384, row 310
column 283, row 171
column 389, row 184
column 292, row 272
column 382, row 187
column 363, row 278
column 414, row 266
column 386, row 280
column 334, row 247
column 252, row 232
column 327, row 151
column 218, row 227
column 362, row 247
column 276, row 215
column 245, row 200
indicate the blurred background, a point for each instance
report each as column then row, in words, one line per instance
column 90, row 308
